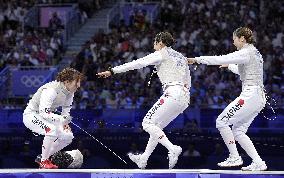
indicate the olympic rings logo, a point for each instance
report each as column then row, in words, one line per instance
column 32, row 80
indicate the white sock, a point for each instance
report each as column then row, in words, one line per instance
column 228, row 137
column 248, row 146
column 46, row 147
column 151, row 145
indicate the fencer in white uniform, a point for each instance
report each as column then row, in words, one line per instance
column 174, row 74
column 40, row 118
column 247, row 62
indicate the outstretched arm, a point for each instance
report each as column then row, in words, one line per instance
column 237, row 57
column 151, row 59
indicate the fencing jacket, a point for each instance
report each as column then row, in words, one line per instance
column 171, row 66
column 247, row 62
column 48, row 98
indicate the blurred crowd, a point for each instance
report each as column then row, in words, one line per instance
column 201, row 28
column 21, row 45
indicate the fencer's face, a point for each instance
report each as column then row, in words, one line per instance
column 73, row 86
column 238, row 42
column 155, row 45
column 158, row 45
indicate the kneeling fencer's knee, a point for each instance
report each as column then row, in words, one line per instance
column 70, row 137
column 68, row 142
column 65, row 142
column 67, row 137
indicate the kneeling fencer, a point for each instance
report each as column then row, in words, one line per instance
column 39, row 115
column 248, row 63
column 174, row 74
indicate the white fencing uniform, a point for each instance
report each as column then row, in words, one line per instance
column 39, row 117
column 174, row 74
column 248, row 63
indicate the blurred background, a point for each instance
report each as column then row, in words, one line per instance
column 38, row 38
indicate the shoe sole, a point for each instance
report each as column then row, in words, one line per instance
column 47, row 168
column 231, row 166
column 255, row 170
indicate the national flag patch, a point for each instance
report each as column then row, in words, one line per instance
column 47, row 129
column 241, row 102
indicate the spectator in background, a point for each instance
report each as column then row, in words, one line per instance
column 140, row 19
column 85, row 151
column 26, row 150
column 193, row 37
column 54, row 23
column 134, row 149
column 191, row 151
column 6, row 147
column 191, row 126
column 218, row 150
